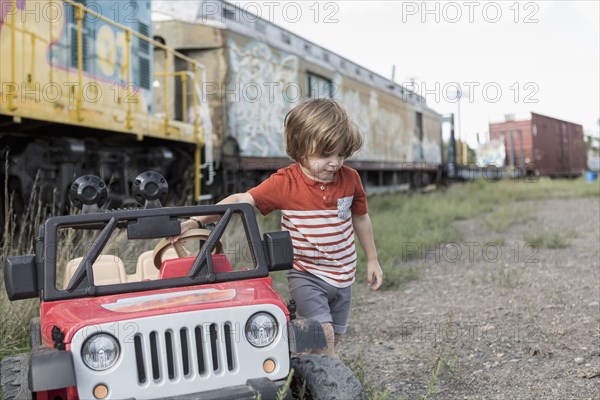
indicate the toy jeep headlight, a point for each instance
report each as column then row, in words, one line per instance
column 100, row 351
column 261, row 329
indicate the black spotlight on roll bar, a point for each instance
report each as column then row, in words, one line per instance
column 88, row 193
column 150, row 188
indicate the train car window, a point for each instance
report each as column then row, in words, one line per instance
column 319, row 87
column 419, row 132
column 307, row 47
column 260, row 27
column 326, row 56
column 228, row 14
column 286, row 38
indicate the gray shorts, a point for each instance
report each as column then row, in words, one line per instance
column 318, row 300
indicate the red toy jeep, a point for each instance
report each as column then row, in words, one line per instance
column 122, row 316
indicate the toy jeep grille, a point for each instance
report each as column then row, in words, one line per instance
column 176, row 354
column 167, row 354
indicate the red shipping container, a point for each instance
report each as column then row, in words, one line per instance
column 542, row 145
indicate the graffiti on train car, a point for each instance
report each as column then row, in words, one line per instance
column 432, row 151
column 386, row 123
column 263, row 83
column 257, row 121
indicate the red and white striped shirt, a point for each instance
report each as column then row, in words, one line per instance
column 318, row 216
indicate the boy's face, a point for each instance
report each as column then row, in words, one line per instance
column 322, row 168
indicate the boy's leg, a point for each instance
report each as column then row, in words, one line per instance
column 322, row 302
column 311, row 297
column 332, row 340
column 330, row 336
column 339, row 307
column 338, row 338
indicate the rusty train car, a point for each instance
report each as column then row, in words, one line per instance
column 257, row 71
column 200, row 96
column 541, row 145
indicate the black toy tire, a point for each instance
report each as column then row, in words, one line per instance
column 13, row 379
column 324, row 378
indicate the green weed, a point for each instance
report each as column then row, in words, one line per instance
column 446, row 364
column 358, row 366
column 18, row 240
column 506, row 216
column 500, row 277
column 547, row 240
column 401, row 274
column 498, row 241
column 286, row 387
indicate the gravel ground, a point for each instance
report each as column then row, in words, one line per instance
column 491, row 318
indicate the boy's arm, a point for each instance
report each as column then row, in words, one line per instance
column 364, row 231
column 207, row 219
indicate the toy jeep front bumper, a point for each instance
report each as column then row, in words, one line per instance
column 263, row 388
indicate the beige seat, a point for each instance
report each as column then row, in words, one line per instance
column 108, row 270
column 145, row 269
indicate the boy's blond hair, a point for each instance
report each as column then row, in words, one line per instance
column 316, row 127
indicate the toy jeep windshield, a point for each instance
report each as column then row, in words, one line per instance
column 124, row 314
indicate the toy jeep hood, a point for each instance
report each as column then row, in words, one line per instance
column 73, row 315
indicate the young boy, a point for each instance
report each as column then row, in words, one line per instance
column 322, row 203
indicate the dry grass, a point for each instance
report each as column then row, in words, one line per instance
column 359, row 367
column 403, row 222
column 18, row 239
column 397, row 219
column 547, row 240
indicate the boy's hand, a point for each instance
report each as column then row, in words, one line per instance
column 185, row 226
column 374, row 275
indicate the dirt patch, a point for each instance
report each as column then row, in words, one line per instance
column 491, row 316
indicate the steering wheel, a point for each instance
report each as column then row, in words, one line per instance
column 164, row 244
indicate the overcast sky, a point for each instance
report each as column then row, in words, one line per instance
column 515, row 57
